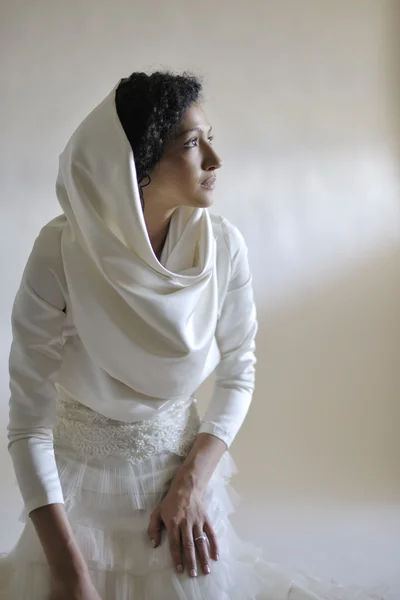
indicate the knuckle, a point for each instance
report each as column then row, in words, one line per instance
column 210, row 528
column 203, row 559
column 174, row 546
column 202, row 550
column 211, row 534
column 188, row 545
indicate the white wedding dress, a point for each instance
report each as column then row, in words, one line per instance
column 113, row 474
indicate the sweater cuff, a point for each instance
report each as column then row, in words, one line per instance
column 217, row 431
column 55, row 497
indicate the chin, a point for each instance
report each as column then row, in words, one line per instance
column 204, row 200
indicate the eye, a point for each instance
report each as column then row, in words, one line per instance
column 191, row 143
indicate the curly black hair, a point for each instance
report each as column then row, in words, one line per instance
column 150, row 107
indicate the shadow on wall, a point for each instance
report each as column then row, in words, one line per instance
column 324, row 421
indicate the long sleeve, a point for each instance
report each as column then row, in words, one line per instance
column 35, row 358
column 235, row 335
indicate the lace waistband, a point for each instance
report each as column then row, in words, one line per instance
column 89, row 435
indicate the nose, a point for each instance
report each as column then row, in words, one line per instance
column 212, row 160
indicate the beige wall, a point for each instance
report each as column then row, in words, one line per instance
column 304, row 97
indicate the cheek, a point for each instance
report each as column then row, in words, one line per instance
column 191, row 166
column 182, row 173
column 185, row 173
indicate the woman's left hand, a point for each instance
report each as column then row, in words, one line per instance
column 183, row 513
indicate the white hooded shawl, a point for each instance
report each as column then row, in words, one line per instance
column 135, row 315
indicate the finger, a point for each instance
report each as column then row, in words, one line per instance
column 212, row 540
column 200, row 542
column 189, row 548
column 175, row 546
column 155, row 527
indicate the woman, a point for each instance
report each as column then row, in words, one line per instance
column 128, row 302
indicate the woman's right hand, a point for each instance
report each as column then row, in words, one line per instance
column 79, row 590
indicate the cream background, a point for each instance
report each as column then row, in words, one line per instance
column 303, row 96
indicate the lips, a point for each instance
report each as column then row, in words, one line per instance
column 209, row 183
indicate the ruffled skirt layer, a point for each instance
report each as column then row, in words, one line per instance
column 109, row 501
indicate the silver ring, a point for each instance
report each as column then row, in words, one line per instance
column 201, row 537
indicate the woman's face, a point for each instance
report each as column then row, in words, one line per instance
column 186, row 173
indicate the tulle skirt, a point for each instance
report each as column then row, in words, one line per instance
column 113, row 475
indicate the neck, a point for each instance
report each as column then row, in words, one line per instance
column 157, row 223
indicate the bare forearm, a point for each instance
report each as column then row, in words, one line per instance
column 201, row 462
column 54, row 531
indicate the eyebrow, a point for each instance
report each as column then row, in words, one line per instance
column 191, row 130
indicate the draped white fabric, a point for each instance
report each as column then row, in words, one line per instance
column 125, row 302
column 99, row 319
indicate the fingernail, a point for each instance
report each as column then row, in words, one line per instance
column 179, row 568
column 193, row 573
column 153, row 543
column 217, row 557
column 207, row 570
